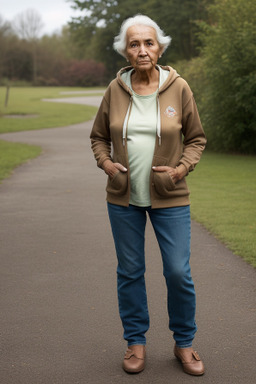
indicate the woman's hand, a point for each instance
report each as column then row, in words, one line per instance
column 176, row 173
column 111, row 169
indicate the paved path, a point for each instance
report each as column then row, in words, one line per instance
column 59, row 320
column 85, row 100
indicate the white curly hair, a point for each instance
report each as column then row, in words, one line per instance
column 120, row 40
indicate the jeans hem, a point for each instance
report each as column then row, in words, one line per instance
column 137, row 343
column 188, row 345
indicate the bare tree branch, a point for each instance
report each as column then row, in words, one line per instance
column 28, row 24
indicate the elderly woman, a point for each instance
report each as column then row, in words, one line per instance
column 147, row 137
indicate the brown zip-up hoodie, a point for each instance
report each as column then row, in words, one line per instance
column 181, row 139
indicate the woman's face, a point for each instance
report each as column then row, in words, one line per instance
column 142, row 48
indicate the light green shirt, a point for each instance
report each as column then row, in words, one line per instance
column 141, row 136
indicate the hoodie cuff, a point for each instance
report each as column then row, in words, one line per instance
column 189, row 167
column 101, row 161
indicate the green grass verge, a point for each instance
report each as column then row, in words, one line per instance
column 223, row 200
column 27, row 101
column 14, row 154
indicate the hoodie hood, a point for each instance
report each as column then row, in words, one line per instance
column 173, row 75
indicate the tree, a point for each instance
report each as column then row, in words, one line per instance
column 229, row 57
column 96, row 30
column 59, row 60
column 178, row 18
column 28, row 25
column 15, row 58
column 5, row 33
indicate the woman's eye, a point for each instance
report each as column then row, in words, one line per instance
column 133, row 45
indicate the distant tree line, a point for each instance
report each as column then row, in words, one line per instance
column 26, row 58
column 89, row 39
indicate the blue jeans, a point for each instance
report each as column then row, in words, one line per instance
column 172, row 227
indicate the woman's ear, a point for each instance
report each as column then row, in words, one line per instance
column 161, row 52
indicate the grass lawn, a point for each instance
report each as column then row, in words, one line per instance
column 223, row 191
column 35, row 114
column 14, row 154
column 41, row 114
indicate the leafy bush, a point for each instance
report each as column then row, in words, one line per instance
column 229, row 57
column 83, row 73
column 193, row 72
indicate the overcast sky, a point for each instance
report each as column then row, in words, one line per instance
column 54, row 13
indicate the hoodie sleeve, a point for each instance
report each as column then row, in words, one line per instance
column 100, row 134
column 194, row 137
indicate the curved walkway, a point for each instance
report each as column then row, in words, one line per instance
column 59, row 320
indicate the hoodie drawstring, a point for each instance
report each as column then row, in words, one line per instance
column 158, row 124
column 126, row 120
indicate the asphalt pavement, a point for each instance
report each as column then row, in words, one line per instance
column 59, row 318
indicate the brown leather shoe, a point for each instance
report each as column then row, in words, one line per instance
column 191, row 362
column 134, row 360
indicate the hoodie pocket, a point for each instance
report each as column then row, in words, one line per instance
column 118, row 184
column 162, row 181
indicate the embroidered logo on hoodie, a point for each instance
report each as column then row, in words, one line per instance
column 170, row 112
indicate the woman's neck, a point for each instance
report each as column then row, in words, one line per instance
column 145, row 82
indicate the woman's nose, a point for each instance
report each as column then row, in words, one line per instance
column 143, row 51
